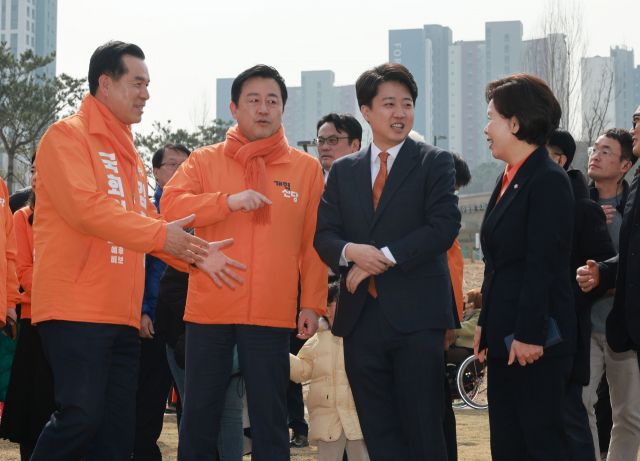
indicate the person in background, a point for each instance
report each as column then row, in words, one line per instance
column 333, row 419
column 154, row 378
column 20, row 198
column 525, row 237
column 337, row 135
column 591, row 240
column 463, row 345
column 30, row 401
column 610, row 158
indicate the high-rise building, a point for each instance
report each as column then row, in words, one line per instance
column 467, row 106
column 46, row 31
column 437, row 109
column 30, row 25
column 624, row 86
column 223, row 99
column 410, row 48
column 503, row 41
column 636, row 87
column 424, row 52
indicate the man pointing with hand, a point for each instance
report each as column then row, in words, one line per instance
column 256, row 189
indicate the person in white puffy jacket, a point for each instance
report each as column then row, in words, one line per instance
column 333, row 420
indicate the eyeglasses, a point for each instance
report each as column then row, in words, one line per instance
column 171, row 165
column 605, row 154
column 332, row 140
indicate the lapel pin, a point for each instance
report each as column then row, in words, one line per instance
column 515, row 186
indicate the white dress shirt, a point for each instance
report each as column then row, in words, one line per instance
column 375, row 169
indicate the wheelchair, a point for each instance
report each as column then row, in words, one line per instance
column 468, row 382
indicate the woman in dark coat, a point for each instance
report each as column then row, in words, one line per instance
column 526, row 239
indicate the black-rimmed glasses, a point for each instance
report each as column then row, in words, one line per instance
column 331, row 140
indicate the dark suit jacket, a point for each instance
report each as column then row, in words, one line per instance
column 417, row 218
column 526, row 240
column 591, row 240
column 623, row 323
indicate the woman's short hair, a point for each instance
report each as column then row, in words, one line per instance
column 475, row 296
column 531, row 101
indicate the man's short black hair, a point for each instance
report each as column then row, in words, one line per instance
column 260, row 71
column 107, row 60
column 463, row 174
column 368, row 83
column 158, row 157
column 334, row 291
column 346, row 123
column 626, row 143
column 563, row 140
column 531, row 101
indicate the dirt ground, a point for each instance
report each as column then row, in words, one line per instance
column 473, row 440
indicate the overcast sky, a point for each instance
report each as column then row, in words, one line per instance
column 190, row 43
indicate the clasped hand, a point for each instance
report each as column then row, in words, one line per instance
column 368, row 261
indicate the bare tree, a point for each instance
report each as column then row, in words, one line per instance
column 599, row 91
column 556, row 56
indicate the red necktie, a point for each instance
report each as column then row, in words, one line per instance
column 378, row 185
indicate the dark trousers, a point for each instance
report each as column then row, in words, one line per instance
column 154, row 384
column 397, row 383
column 526, row 409
column 449, row 423
column 264, row 362
column 576, row 422
column 95, row 369
column 295, row 410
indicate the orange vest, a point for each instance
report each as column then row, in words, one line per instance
column 274, row 253
column 93, row 224
column 24, row 259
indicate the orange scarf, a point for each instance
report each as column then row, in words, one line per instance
column 119, row 134
column 254, row 157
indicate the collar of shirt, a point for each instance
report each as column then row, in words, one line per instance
column 509, row 174
column 375, row 159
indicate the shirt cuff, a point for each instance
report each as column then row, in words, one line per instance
column 343, row 259
column 388, row 255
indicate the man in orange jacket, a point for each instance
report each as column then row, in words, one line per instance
column 255, row 188
column 93, row 224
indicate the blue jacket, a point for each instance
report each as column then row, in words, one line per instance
column 154, row 269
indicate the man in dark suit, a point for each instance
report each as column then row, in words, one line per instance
column 387, row 217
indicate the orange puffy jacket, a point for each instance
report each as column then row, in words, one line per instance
column 10, row 288
column 275, row 254
column 93, row 222
column 24, row 260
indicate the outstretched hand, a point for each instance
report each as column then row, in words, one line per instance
column 183, row 245
column 215, row 264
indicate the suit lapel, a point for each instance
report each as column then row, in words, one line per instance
column 362, row 172
column 403, row 164
column 496, row 212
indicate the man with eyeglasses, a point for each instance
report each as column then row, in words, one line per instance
column 338, row 135
column 155, row 378
column 610, row 158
